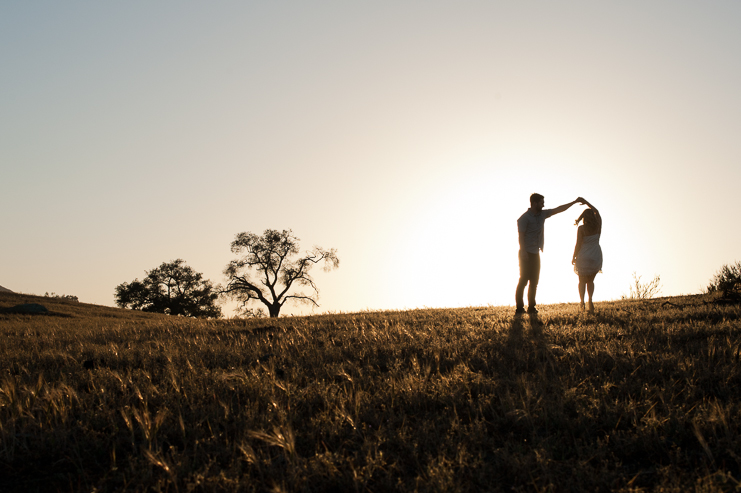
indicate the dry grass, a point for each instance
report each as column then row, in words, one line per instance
column 642, row 396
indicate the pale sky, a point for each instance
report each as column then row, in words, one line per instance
column 408, row 135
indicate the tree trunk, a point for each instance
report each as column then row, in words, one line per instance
column 274, row 310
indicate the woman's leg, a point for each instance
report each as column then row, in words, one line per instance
column 582, row 289
column 590, row 291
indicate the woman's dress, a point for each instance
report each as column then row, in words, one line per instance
column 589, row 259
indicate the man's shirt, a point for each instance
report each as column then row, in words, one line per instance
column 533, row 227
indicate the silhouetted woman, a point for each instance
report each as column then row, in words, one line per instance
column 587, row 259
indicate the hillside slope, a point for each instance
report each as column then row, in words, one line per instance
column 60, row 306
column 642, row 396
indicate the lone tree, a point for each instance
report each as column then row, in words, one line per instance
column 172, row 288
column 272, row 257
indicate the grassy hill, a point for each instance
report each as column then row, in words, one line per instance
column 642, row 396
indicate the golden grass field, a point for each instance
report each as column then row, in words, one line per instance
column 641, row 396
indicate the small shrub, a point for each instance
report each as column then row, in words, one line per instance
column 67, row 297
column 727, row 281
column 245, row 312
column 643, row 291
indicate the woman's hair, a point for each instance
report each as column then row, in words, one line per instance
column 589, row 218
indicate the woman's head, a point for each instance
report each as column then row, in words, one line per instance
column 589, row 218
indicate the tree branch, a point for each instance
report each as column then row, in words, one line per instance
column 240, row 284
column 300, row 298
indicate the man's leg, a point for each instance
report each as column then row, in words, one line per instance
column 524, row 278
column 534, row 277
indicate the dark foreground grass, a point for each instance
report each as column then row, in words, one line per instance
column 642, row 396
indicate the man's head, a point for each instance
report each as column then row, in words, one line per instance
column 537, row 201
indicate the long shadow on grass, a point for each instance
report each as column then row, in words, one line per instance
column 524, row 335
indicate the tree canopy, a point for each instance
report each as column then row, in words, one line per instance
column 273, row 259
column 173, row 288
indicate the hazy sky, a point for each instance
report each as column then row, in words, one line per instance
column 408, row 135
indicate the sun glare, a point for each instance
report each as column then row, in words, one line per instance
column 460, row 240
column 477, row 217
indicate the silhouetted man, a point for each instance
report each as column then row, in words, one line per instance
column 530, row 228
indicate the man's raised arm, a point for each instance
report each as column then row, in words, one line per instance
column 562, row 208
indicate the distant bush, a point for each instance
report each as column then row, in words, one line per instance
column 67, row 297
column 173, row 288
column 727, row 281
column 643, row 290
